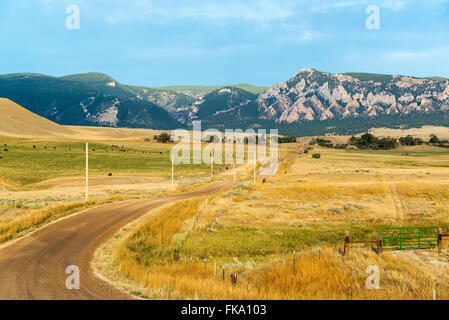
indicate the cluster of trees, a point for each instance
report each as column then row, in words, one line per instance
column 280, row 139
column 368, row 141
column 164, row 137
column 286, row 139
column 435, row 141
column 322, row 142
column 410, row 141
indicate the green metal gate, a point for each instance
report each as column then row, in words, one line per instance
column 409, row 238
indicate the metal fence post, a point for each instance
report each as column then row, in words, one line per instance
column 379, row 244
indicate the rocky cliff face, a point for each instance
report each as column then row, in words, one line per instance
column 311, row 95
column 225, row 107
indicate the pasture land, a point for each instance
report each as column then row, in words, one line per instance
column 304, row 209
column 28, row 162
column 44, row 179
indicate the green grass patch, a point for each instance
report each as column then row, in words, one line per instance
column 26, row 162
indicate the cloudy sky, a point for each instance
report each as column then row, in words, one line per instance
column 206, row 42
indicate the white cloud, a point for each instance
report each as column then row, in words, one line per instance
column 115, row 11
column 417, row 55
column 300, row 34
column 395, row 5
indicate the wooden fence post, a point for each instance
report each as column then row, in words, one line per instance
column 379, row 244
column 440, row 238
column 346, row 247
column 294, row 258
column 176, row 255
column 234, row 279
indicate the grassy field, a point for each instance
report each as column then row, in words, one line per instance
column 42, row 180
column 27, row 162
column 303, row 210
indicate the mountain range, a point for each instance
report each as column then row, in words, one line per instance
column 310, row 103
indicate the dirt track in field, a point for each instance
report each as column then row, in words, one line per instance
column 34, row 266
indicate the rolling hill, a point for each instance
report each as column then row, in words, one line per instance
column 16, row 121
column 87, row 99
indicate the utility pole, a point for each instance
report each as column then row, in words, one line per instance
column 172, row 173
column 87, row 171
column 254, row 168
column 212, row 164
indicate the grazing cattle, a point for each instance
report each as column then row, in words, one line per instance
column 110, row 175
column 5, row 150
column 34, row 147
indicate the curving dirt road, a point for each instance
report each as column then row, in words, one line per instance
column 34, row 266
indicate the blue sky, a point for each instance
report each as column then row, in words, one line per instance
column 206, row 42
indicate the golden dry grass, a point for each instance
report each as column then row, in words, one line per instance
column 18, row 122
column 423, row 132
column 145, row 257
column 306, row 207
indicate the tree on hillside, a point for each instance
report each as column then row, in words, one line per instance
column 367, row 140
column 434, row 139
column 410, row 141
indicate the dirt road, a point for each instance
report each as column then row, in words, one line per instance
column 34, row 266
